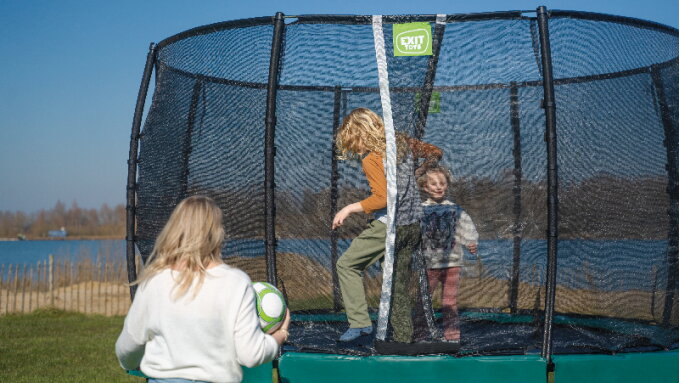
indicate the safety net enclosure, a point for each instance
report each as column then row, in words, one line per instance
column 560, row 130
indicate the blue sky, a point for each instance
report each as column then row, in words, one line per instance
column 71, row 72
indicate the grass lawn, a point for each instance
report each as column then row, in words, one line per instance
column 57, row 346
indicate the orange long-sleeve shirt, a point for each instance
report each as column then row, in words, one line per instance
column 374, row 170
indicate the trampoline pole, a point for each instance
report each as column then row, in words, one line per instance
column 517, row 192
column 186, row 151
column 270, row 149
column 334, row 198
column 132, row 169
column 551, row 143
column 671, row 143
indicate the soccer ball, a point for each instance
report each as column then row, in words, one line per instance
column 271, row 307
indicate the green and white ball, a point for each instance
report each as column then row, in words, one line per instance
column 271, row 307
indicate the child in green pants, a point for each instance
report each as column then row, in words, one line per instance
column 363, row 134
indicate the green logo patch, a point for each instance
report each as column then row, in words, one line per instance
column 435, row 102
column 412, row 39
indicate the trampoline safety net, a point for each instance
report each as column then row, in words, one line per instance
column 616, row 104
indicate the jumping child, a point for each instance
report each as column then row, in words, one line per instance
column 363, row 134
column 193, row 317
column 445, row 228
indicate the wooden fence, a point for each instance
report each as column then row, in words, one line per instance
column 87, row 286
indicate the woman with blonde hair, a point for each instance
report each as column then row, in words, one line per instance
column 362, row 134
column 193, row 317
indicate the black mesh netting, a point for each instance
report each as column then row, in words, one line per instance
column 616, row 90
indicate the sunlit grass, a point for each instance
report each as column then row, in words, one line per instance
column 57, row 346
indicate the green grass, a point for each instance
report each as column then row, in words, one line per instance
column 57, row 346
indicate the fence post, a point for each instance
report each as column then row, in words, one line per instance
column 121, row 276
column 41, row 265
column 70, row 285
column 119, row 272
column 92, row 277
column 106, row 279
column 99, row 285
column 7, row 288
column 50, row 279
column 16, row 288
column 30, row 288
column 79, row 270
column 63, row 299
column 23, row 288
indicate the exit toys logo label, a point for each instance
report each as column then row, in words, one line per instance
column 412, row 39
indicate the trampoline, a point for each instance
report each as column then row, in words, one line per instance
column 559, row 127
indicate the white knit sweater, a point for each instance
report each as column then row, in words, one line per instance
column 204, row 338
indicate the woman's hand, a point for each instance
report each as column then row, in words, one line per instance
column 473, row 248
column 281, row 333
column 345, row 212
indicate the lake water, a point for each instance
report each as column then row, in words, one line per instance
column 31, row 252
column 601, row 264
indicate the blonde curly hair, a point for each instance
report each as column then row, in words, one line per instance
column 363, row 131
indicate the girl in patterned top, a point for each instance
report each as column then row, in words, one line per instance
column 445, row 228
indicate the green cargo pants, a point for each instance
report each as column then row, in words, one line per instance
column 367, row 248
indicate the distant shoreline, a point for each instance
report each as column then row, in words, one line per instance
column 69, row 238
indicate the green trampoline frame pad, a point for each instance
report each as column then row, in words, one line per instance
column 329, row 368
column 258, row 374
column 648, row 367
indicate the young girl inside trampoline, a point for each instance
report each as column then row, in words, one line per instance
column 362, row 134
column 193, row 317
column 445, row 228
